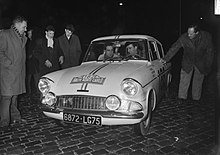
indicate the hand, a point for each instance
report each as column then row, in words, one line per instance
column 61, row 59
column 48, row 63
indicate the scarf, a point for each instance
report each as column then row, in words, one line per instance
column 17, row 32
column 49, row 42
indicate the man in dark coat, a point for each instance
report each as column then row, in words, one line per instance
column 32, row 64
column 196, row 62
column 70, row 46
column 12, row 70
column 48, row 52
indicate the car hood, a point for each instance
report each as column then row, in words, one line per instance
column 93, row 77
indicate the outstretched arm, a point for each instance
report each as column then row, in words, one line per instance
column 173, row 50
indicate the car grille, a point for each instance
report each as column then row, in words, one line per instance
column 81, row 102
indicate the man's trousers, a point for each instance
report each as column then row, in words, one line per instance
column 8, row 110
column 197, row 81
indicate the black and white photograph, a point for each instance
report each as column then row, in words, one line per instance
column 109, row 77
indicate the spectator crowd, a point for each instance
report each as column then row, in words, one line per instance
column 25, row 57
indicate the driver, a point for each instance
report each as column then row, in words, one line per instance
column 132, row 50
column 108, row 53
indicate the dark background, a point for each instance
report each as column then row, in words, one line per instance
column 162, row 19
column 165, row 20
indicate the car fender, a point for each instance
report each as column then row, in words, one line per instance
column 147, row 96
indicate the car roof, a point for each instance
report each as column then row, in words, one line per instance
column 133, row 36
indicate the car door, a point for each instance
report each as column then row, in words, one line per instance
column 159, row 67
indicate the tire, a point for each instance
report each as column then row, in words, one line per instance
column 143, row 127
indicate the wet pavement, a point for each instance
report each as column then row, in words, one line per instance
column 177, row 129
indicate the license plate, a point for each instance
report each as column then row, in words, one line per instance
column 82, row 119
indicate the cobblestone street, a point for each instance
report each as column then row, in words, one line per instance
column 176, row 129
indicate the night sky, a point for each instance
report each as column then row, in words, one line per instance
column 93, row 18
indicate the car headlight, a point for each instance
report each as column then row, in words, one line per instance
column 49, row 99
column 112, row 102
column 129, row 87
column 44, row 85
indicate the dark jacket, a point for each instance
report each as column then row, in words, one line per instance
column 32, row 62
column 43, row 53
column 12, row 63
column 197, row 52
column 71, row 50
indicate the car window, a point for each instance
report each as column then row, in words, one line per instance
column 94, row 51
column 140, row 48
column 160, row 50
column 147, row 53
column 153, row 49
column 120, row 49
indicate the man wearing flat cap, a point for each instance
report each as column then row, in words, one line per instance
column 71, row 47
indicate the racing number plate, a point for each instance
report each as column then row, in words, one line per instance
column 83, row 119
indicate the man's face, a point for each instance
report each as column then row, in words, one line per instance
column 132, row 50
column 21, row 27
column 68, row 32
column 29, row 34
column 50, row 34
column 191, row 33
column 109, row 51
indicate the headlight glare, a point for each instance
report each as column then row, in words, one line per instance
column 112, row 102
column 49, row 99
column 129, row 87
column 44, row 85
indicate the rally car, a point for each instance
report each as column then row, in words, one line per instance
column 116, row 91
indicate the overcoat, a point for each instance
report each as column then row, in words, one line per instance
column 43, row 53
column 71, row 50
column 32, row 64
column 12, row 63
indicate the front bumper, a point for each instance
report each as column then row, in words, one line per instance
column 108, row 117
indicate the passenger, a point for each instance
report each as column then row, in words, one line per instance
column 132, row 50
column 108, row 53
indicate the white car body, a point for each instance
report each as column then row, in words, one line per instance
column 79, row 94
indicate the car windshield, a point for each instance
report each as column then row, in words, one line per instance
column 117, row 50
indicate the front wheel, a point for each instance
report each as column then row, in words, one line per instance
column 143, row 127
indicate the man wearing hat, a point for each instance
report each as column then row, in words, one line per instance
column 70, row 46
column 48, row 52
